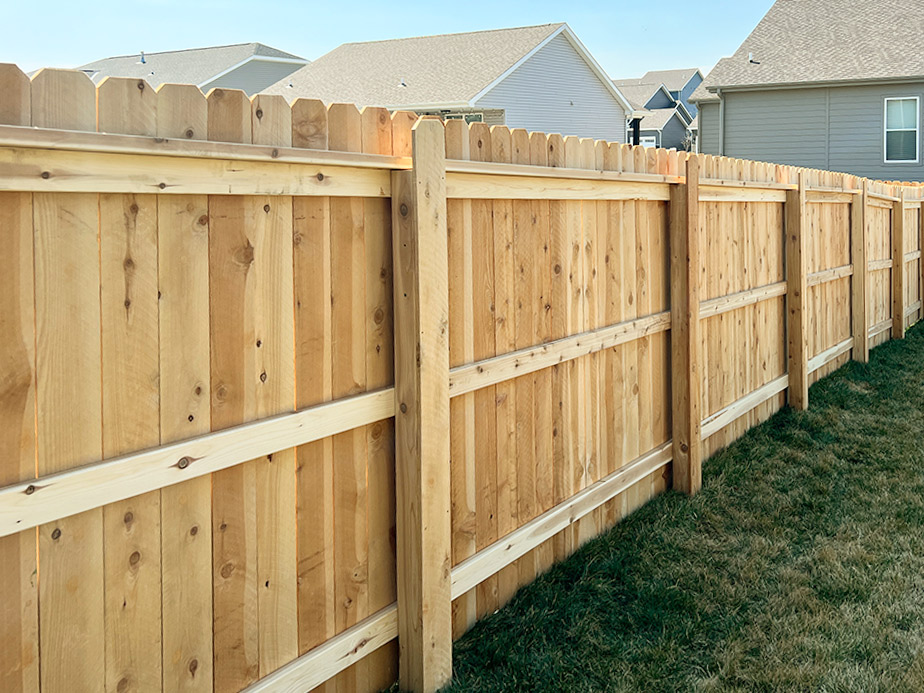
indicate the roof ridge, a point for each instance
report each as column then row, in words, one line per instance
column 186, row 50
column 552, row 25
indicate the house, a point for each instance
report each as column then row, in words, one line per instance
column 250, row 67
column 540, row 78
column 829, row 84
column 661, row 119
column 679, row 83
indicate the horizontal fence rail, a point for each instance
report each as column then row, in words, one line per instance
column 293, row 394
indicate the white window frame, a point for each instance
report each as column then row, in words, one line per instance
column 886, row 130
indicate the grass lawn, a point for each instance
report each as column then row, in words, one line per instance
column 799, row 567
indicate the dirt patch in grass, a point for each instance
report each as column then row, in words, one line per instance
column 800, row 565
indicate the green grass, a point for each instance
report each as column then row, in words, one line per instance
column 798, row 567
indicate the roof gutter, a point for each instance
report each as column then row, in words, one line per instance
column 815, row 85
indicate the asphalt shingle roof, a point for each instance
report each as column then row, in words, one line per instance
column 421, row 71
column 674, row 80
column 805, row 41
column 192, row 66
column 657, row 118
column 637, row 91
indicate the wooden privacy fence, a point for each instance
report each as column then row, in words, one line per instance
column 285, row 387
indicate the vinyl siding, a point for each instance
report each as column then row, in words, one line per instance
column 659, row 100
column 709, row 128
column 687, row 92
column 833, row 128
column 789, row 127
column 253, row 76
column 673, row 134
column 857, row 131
column 539, row 95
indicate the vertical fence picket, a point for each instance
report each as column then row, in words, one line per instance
column 19, row 654
column 313, row 385
column 68, row 395
column 131, row 399
column 186, row 508
column 462, row 284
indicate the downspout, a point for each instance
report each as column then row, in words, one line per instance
column 721, row 122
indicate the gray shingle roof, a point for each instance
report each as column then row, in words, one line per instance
column 801, row 41
column 422, row 71
column 193, row 66
column 674, row 80
column 657, row 118
column 637, row 91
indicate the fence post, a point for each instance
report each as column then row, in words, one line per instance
column 859, row 326
column 796, row 287
column 686, row 378
column 898, row 267
column 421, row 291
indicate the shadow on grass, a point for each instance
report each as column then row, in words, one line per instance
column 800, row 565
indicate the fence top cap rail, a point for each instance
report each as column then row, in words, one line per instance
column 25, row 137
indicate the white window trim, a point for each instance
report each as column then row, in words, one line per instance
column 885, row 130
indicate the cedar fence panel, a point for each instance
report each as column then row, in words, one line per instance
column 200, row 459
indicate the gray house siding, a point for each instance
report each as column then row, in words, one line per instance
column 687, row 92
column 709, row 128
column 834, row 128
column 253, row 76
column 856, row 127
column 556, row 91
column 660, row 100
column 673, row 134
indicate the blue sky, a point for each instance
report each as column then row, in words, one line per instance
column 627, row 37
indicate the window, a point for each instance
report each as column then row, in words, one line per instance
column 648, row 141
column 467, row 117
column 901, row 130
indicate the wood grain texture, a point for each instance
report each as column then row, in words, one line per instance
column 422, row 418
column 183, row 289
column 797, row 339
column 685, row 340
column 68, row 395
column 462, row 282
column 131, row 400
column 19, row 656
